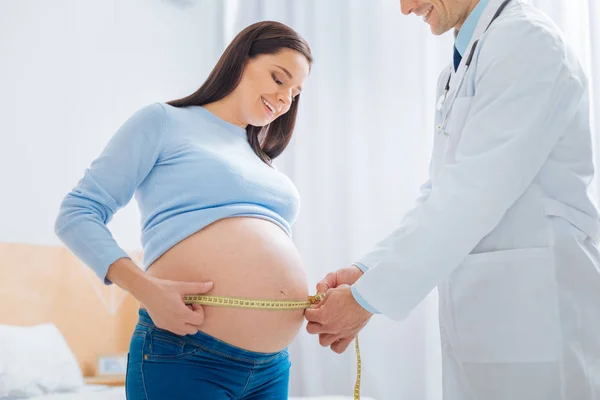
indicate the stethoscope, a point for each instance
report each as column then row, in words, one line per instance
column 442, row 99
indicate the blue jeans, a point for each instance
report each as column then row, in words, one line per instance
column 164, row 366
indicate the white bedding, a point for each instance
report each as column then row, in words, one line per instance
column 96, row 392
column 87, row 392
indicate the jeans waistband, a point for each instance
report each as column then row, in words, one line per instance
column 209, row 342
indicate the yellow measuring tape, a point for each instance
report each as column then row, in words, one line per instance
column 257, row 304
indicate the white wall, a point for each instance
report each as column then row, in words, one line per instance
column 71, row 72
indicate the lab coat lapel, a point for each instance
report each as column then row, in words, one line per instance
column 458, row 76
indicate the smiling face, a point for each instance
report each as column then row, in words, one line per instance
column 269, row 84
column 441, row 15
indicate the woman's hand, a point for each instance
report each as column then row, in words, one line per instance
column 163, row 299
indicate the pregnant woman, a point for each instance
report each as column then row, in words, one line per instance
column 216, row 219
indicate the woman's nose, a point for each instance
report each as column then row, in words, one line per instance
column 284, row 99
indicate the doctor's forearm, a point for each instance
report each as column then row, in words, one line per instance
column 425, row 249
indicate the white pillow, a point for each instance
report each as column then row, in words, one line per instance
column 36, row 360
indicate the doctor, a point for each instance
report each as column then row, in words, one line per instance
column 504, row 227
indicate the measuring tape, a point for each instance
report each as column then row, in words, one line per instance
column 257, row 304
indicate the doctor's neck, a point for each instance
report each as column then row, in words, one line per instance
column 464, row 14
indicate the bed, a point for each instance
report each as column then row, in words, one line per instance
column 56, row 317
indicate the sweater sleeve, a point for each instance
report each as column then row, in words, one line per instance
column 107, row 186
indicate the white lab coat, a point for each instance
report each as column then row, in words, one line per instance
column 505, row 227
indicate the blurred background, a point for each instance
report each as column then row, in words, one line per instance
column 72, row 71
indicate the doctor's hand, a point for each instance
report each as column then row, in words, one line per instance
column 337, row 319
column 343, row 276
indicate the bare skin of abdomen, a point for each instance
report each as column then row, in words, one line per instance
column 243, row 257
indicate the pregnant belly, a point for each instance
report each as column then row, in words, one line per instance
column 243, row 257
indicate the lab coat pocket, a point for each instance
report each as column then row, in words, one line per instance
column 505, row 306
column 456, row 122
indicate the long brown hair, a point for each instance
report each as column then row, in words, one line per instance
column 266, row 37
